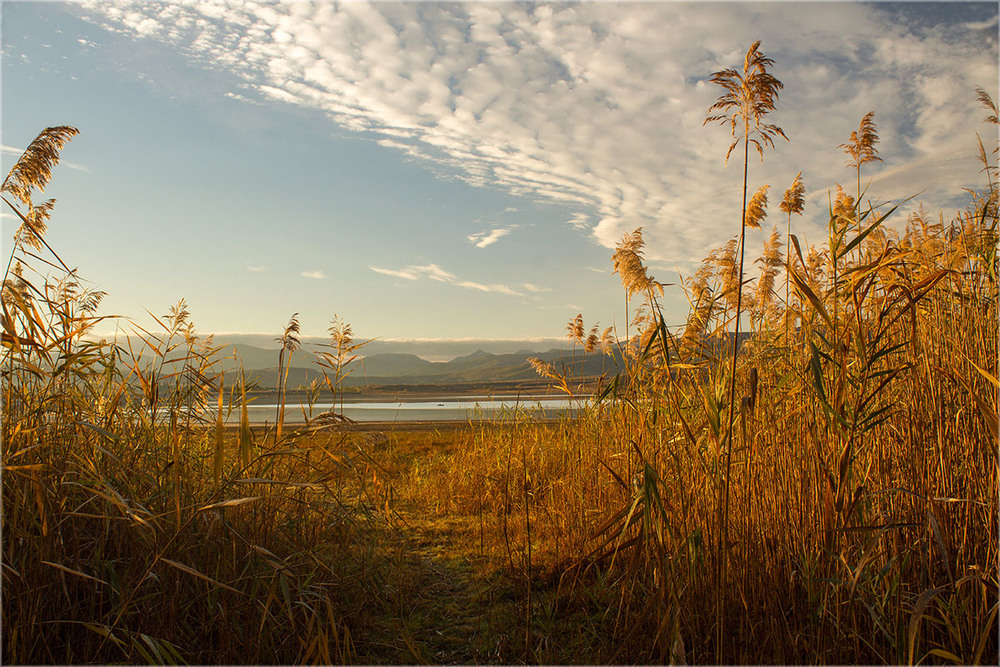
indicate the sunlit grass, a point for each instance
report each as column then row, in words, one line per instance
column 825, row 491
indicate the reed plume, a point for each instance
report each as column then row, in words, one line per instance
column 627, row 260
column 726, row 265
column 987, row 102
column 628, row 264
column 33, row 169
column 342, row 343
column 702, row 304
column 607, row 340
column 31, row 172
column 749, row 97
column 757, row 208
column 593, row 340
column 574, row 330
column 792, row 202
column 770, row 261
column 861, row 148
column 289, row 343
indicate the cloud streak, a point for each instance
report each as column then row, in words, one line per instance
column 11, row 150
column 483, row 239
column 600, row 105
column 435, row 272
column 314, row 275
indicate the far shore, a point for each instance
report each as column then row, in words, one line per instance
column 389, row 426
column 531, row 389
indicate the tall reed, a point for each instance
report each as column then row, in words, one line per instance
column 130, row 533
column 862, row 466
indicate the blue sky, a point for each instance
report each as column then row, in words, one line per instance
column 462, row 170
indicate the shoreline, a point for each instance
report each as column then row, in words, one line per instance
column 415, row 425
column 527, row 390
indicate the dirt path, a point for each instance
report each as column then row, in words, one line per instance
column 446, row 619
column 447, row 603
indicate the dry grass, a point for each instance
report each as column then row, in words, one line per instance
column 829, row 494
column 861, row 467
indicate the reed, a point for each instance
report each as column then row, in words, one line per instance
column 865, row 458
column 130, row 534
column 821, row 488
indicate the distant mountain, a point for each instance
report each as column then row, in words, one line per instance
column 436, row 350
column 392, row 368
column 391, row 364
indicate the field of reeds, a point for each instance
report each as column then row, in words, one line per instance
column 806, row 472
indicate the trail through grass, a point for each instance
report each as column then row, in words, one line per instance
column 451, row 600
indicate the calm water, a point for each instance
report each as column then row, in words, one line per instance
column 405, row 411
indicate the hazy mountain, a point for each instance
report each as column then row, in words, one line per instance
column 434, row 350
column 392, row 368
column 391, row 364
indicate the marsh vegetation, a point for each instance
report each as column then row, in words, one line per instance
column 805, row 472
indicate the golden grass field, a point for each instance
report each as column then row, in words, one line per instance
column 825, row 492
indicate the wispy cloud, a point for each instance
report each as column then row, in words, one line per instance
column 579, row 221
column 415, row 272
column 255, row 269
column 494, row 287
column 483, row 239
column 315, row 275
column 589, row 105
column 11, row 150
column 435, row 272
column 398, row 273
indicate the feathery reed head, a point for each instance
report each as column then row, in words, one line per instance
column 290, row 339
column 574, row 330
column 627, row 259
column 593, row 340
column 607, row 341
column 33, row 169
column 542, row 368
column 861, row 146
column 757, row 208
column 33, row 226
column 340, row 332
column 794, row 199
column 988, row 104
column 843, row 205
column 770, row 261
column 749, row 96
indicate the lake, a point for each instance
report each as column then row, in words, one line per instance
column 457, row 408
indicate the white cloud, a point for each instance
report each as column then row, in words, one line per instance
column 601, row 105
column 483, row 239
column 315, row 275
column 435, row 272
column 409, row 275
column 579, row 221
column 255, row 269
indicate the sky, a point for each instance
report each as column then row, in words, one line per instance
column 460, row 170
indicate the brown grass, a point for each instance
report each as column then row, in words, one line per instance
column 830, row 496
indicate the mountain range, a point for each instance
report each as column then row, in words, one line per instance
column 394, row 368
